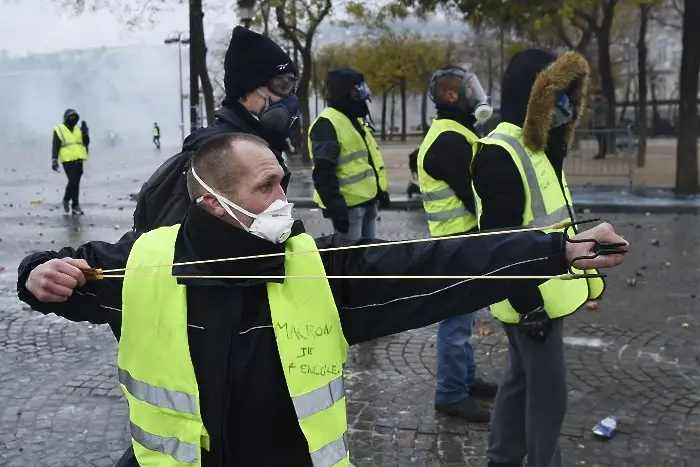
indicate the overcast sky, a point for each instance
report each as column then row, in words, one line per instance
column 39, row 26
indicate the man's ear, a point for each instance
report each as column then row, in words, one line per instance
column 212, row 205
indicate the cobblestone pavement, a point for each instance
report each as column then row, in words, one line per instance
column 635, row 357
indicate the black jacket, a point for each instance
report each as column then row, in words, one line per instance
column 449, row 158
column 326, row 150
column 163, row 199
column 245, row 403
column 497, row 180
column 56, row 142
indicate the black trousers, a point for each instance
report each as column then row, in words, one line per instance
column 602, row 136
column 74, row 171
column 156, row 141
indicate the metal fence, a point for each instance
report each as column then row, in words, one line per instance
column 584, row 166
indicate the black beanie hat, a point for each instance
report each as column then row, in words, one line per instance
column 251, row 60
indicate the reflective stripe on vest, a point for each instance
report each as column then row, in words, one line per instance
column 72, row 147
column 539, row 211
column 561, row 298
column 160, row 397
column 445, row 212
column 173, row 447
column 157, row 375
column 360, row 166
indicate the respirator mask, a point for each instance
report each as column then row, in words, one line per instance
column 564, row 110
column 274, row 224
column 282, row 116
column 472, row 98
column 359, row 99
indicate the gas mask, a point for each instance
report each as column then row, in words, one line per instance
column 274, row 224
column 472, row 98
column 564, row 111
column 358, row 102
column 280, row 116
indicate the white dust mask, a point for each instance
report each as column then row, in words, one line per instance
column 274, row 224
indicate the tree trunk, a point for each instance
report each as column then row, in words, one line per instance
column 687, row 149
column 424, row 111
column 402, row 89
column 196, row 36
column 207, row 88
column 385, row 96
column 303, row 96
column 393, row 114
column 642, row 84
column 202, row 71
column 628, row 95
column 654, row 107
column 605, row 68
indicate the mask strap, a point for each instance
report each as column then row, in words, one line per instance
column 224, row 202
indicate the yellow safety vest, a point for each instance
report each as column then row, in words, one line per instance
column 546, row 203
column 72, row 147
column 158, row 378
column 357, row 178
column 156, row 131
column 446, row 213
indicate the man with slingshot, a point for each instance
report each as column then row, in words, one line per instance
column 235, row 323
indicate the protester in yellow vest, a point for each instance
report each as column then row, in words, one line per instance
column 444, row 176
column 518, row 181
column 239, row 363
column 156, row 135
column 349, row 174
column 70, row 148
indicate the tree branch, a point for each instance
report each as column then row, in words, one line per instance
column 291, row 32
column 313, row 25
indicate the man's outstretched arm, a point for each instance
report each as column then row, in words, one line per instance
column 371, row 308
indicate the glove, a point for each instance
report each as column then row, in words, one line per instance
column 340, row 221
column 536, row 324
column 54, row 165
column 384, row 201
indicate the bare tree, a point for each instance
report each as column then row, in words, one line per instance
column 300, row 29
column 644, row 12
column 687, row 180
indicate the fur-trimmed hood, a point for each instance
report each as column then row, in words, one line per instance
column 530, row 84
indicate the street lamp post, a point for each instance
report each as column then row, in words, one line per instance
column 179, row 39
column 245, row 12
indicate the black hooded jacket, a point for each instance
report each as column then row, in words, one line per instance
column 163, row 199
column 449, row 158
column 245, row 403
column 497, row 180
column 56, row 142
column 324, row 139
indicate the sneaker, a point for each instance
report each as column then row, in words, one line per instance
column 66, row 206
column 483, row 389
column 465, row 409
column 77, row 210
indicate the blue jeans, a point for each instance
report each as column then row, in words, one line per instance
column 362, row 222
column 456, row 368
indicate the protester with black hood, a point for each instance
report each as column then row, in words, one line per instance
column 349, row 175
column 260, row 82
column 444, row 176
column 70, row 148
column 518, row 181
